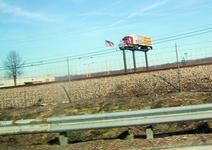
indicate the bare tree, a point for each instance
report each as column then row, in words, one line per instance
column 14, row 65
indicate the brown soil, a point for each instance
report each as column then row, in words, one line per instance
column 135, row 144
column 109, row 104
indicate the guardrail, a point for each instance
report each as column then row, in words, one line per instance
column 108, row 120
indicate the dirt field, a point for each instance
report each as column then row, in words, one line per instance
column 197, row 78
column 135, row 144
column 125, row 93
column 109, row 105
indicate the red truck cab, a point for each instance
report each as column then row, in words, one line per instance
column 128, row 40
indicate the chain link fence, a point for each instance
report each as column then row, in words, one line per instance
column 107, row 63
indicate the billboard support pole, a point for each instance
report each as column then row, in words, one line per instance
column 124, row 59
column 146, row 59
column 134, row 60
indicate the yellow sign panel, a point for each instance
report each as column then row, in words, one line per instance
column 147, row 41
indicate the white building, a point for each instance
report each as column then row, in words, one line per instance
column 4, row 82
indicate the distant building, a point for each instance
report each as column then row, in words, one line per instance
column 5, row 82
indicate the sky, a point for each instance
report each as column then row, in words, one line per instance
column 42, row 29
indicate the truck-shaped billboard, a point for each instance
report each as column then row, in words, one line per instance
column 136, row 42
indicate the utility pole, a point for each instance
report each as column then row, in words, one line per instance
column 107, row 68
column 178, row 68
column 89, row 70
column 68, row 69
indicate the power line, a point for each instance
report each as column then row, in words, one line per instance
column 102, row 52
column 161, row 40
column 187, row 44
column 181, row 36
column 183, row 31
column 63, row 59
column 74, row 56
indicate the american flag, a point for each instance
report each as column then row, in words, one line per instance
column 109, row 43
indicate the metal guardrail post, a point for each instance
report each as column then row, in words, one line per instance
column 149, row 132
column 63, row 139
